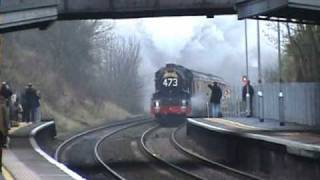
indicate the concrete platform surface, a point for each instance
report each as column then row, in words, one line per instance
column 24, row 161
column 299, row 140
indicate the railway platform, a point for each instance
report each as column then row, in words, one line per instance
column 267, row 149
column 297, row 139
column 24, row 159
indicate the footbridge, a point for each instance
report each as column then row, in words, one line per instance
column 88, row 9
column 22, row 14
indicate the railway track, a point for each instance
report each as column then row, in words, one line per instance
column 186, row 161
column 146, row 154
column 215, row 164
column 98, row 149
column 71, row 145
column 157, row 157
column 136, row 164
column 61, row 148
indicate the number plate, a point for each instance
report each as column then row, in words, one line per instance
column 170, row 82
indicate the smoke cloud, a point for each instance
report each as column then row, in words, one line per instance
column 215, row 46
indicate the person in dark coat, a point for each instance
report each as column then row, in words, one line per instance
column 245, row 92
column 3, row 126
column 35, row 108
column 5, row 96
column 28, row 102
column 6, row 92
column 215, row 99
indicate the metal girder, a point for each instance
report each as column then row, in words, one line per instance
column 89, row 9
column 23, row 15
column 300, row 11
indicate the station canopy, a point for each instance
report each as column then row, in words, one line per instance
column 304, row 11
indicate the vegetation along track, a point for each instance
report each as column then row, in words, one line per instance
column 157, row 141
column 223, row 168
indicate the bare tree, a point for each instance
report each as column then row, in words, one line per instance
column 119, row 77
column 301, row 45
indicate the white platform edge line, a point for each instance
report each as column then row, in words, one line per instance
column 36, row 147
column 287, row 143
column 201, row 124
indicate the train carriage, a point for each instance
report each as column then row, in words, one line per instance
column 181, row 92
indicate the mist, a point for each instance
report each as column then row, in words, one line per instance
column 215, row 46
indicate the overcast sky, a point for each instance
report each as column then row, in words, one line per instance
column 215, row 46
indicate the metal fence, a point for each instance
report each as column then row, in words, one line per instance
column 301, row 102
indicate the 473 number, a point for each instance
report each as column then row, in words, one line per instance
column 170, row 82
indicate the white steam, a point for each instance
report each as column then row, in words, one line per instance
column 199, row 101
column 215, row 46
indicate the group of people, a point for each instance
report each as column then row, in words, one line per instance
column 216, row 95
column 30, row 101
column 14, row 108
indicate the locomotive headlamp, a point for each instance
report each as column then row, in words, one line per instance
column 157, row 103
column 184, row 102
column 184, row 105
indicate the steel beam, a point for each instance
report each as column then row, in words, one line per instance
column 23, row 15
column 89, row 9
column 305, row 11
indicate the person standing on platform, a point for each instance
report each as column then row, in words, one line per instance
column 5, row 95
column 215, row 99
column 27, row 103
column 24, row 105
column 35, row 110
column 15, row 110
column 247, row 90
column 3, row 126
column 6, row 92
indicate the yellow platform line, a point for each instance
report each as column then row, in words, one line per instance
column 232, row 123
column 7, row 174
column 21, row 125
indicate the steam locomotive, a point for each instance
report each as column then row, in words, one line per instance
column 181, row 92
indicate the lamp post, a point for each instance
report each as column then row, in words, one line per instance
column 281, row 95
column 248, row 110
column 260, row 86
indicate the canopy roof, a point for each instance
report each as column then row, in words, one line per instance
column 307, row 11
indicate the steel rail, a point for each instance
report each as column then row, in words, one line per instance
column 63, row 145
column 208, row 161
column 100, row 141
column 158, row 158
